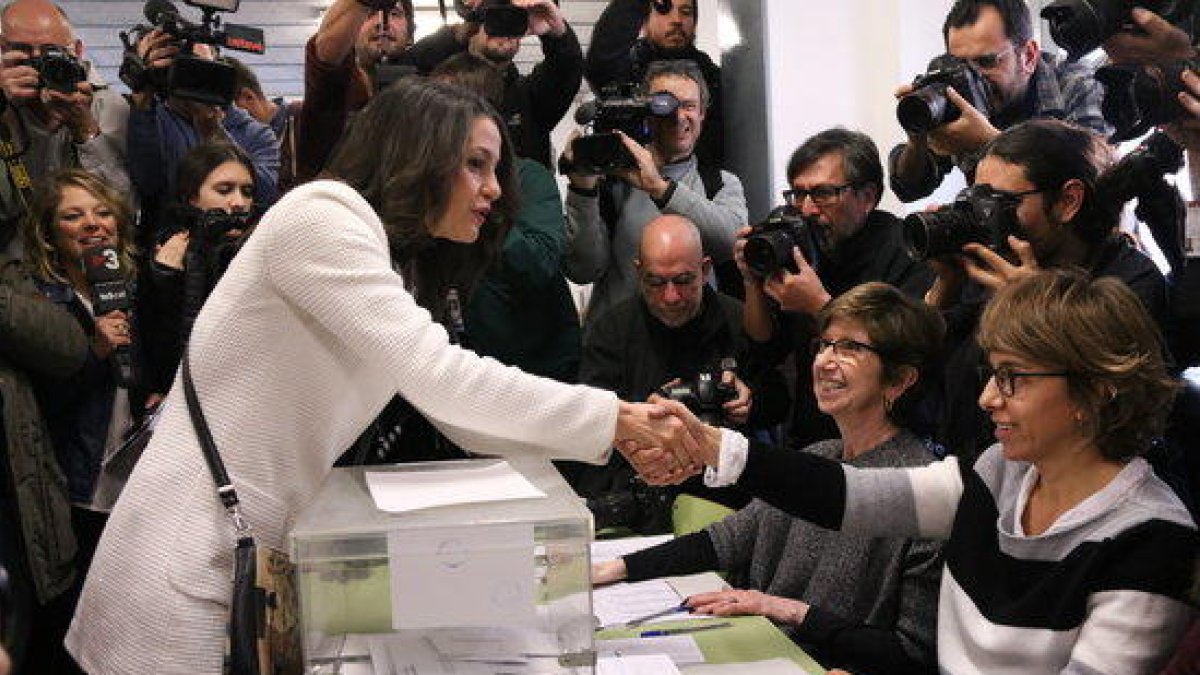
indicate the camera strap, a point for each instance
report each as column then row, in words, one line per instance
column 18, row 175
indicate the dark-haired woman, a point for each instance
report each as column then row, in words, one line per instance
column 1064, row 553
column 321, row 318
column 213, row 178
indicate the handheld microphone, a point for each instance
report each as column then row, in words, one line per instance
column 110, row 293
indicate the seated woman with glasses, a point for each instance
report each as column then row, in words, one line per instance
column 854, row 601
column 1065, row 553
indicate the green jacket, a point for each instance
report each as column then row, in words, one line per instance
column 37, row 339
column 522, row 313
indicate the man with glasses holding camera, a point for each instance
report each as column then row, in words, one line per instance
column 1044, row 180
column 59, row 112
column 836, row 183
column 606, row 214
column 995, row 39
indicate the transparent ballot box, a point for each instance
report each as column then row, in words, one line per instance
column 497, row 586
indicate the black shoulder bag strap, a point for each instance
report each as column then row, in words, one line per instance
column 242, row 652
column 18, row 175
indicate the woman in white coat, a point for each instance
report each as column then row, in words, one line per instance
column 317, row 323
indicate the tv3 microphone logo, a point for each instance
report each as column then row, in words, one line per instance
column 105, row 257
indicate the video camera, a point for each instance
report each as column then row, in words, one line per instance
column 979, row 214
column 1138, row 98
column 500, row 18
column 189, row 76
column 927, row 107
column 1080, row 26
column 706, row 393
column 620, row 108
column 770, row 243
column 58, row 69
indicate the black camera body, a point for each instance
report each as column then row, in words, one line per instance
column 500, row 18
column 620, row 108
column 58, row 70
column 927, row 107
column 978, row 215
column 1142, row 170
column 1080, row 26
column 1139, row 98
column 706, row 393
column 640, row 507
column 190, row 77
column 214, row 238
column 769, row 245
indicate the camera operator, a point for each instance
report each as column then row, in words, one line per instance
column 836, row 182
column 339, row 63
column 162, row 129
column 533, row 104
column 76, row 123
column 606, row 214
column 213, row 178
column 668, row 31
column 674, row 331
column 1156, row 41
column 995, row 37
column 1040, row 179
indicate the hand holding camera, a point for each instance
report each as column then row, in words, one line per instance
column 1155, row 40
column 24, row 75
column 645, row 174
column 545, row 18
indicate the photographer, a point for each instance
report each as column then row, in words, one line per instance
column 1040, row 179
column 1158, row 42
column 668, row 31
column 76, row 123
column 532, row 104
column 836, row 183
column 162, row 129
column 188, row 263
column 674, row 330
column 606, row 214
column 995, row 38
column 339, row 61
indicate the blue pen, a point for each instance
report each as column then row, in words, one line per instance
column 684, row 630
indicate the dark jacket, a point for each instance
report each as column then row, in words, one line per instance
column 46, row 342
column 331, row 93
column 617, row 56
column 630, row 352
column 522, row 313
column 533, row 104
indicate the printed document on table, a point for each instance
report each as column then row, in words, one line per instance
column 399, row 491
column 681, row 648
column 619, row 604
column 768, row 667
column 642, row 664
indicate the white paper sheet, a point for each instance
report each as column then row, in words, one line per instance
column 681, row 648
column 767, row 667
column 462, row 576
column 611, row 549
column 618, row 604
column 643, row 664
column 399, row 491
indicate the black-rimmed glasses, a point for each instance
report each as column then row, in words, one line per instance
column 843, row 348
column 989, row 61
column 1006, row 378
column 822, row 195
column 656, row 282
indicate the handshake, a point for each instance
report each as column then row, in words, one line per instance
column 664, row 442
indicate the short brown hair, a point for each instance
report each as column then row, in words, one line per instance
column 1098, row 331
column 904, row 331
column 41, row 253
